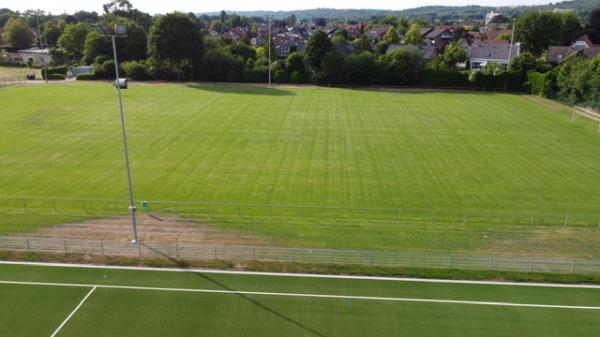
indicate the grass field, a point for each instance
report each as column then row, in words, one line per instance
column 306, row 146
column 35, row 301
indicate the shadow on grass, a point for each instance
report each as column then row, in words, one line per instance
column 241, row 89
column 258, row 304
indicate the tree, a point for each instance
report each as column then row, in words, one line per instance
column 17, row 33
column 87, row 17
column 242, row 50
column 321, row 22
column 500, row 19
column 330, row 68
column 361, row 44
column 317, row 47
column 570, row 28
column 361, row 68
column 401, row 66
column 223, row 16
column 391, row 36
column 52, row 30
column 123, row 5
column 524, row 63
column 413, row 35
column 293, row 20
column 593, row 26
column 454, row 53
column 538, row 30
column 130, row 48
column 217, row 26
column 295, row 63
column 168, row 45
column 72, row 40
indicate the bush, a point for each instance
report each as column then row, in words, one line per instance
column 136, row 70
column 280, row 76
column 296, row 77
column 541, row 84
column 86, row 77
column 256, row 75
column 56, row 77
column 106, row 70
column 445, row 78
column 59, row 70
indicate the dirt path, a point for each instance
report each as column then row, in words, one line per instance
column 151, row 228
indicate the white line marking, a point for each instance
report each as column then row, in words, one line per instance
column 344, row 277
column 73, row 312
column 327, row 296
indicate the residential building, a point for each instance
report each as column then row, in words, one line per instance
column 582, row 46
column 480, row 54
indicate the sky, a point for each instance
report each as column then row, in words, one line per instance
column 161, row 6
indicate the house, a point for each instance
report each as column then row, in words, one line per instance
column 286, row 44
column 427, row 51
column 377, row 33
column 480, row 54
column 439, row 35
column 582, row 46
column 257, row 41
column 38, row 57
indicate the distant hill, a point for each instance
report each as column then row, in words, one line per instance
column 582, row 7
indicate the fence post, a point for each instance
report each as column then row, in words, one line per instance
column 177, row 250
column 572, row 266
column 370, row 258
column 450, row 262
column 139, row 249
column 253, row 254
column 215, row 252
column 28, row 245
column 491, row 263
column 65, row 245
column 102, row 247
column 410, row 258
column 566, row 221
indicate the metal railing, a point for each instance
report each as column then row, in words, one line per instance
column 299, row 255
column 240, row 213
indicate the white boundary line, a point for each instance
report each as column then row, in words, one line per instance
column 344, row 277
column 73, row 312
column 323, row 296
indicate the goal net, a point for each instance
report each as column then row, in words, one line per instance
column 580, row 111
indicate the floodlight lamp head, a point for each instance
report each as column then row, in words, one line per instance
column 120, row 29
column 102, row 28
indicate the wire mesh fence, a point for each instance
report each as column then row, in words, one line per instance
column 299, row 255
column 239, row 213
column 10, row 81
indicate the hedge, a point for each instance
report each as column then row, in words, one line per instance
column 86, row 77
column 541, row 84
column 59, row 70
column 56, row 77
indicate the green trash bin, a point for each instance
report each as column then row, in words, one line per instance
column 145, row 206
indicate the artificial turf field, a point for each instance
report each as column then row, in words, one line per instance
column 304, row 146
column 37, row 300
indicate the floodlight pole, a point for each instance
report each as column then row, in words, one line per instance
column 512, row 39
column 37, row 18
column 132, row 208
column 269, row 34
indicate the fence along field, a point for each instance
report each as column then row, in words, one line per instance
column 404, row 230
column 413, row 171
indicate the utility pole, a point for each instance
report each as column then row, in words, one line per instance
column 120, row 30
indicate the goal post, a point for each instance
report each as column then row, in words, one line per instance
column 586, row 112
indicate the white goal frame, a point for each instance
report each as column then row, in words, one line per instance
column 585, row 112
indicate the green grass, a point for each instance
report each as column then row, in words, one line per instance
column 130, row 312
column 313, row 146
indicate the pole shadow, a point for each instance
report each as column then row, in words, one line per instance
column 182, row 264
